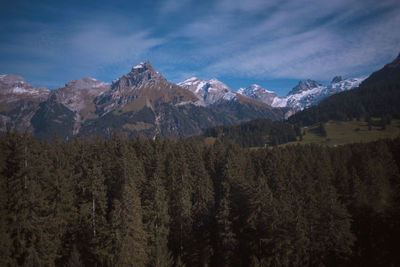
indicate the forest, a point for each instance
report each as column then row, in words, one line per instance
column 255, row 133
column 162, row 202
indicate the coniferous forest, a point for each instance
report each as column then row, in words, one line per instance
column 144, row 202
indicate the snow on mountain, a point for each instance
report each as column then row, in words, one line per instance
column 209, row 92
column 79, row 94
column 305, row 94
column 257, row 92
column 141, row 65
column 304, row 86
column 143, row 81
column 14, row 88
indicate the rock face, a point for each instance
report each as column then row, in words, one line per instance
column 142, row 82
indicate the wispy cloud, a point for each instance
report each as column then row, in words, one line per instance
column 84, row 49
column 228, row 39
column 297, row 39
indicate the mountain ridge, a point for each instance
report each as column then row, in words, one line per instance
column 303, row 95
column 141, row 102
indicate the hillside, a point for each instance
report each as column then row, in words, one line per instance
column 347, row 132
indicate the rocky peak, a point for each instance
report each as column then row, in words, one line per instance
column 16, row 88
column 85, row 83
column 337, row 79
column 208, row 92
column 141, row 75
column 11, row 79
column 255, row 91
column 304, row 86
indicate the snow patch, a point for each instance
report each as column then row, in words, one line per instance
column 20, row 90
column 139, row 66
column 229, row 96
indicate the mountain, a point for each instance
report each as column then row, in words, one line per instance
column 257, row 92
column 305, row 94
column 234, row 106
column 78, row 95
column 376, row 96
column 145, row 83
column 140, row 103
column 209, row 92
column 19, row 101
column 310, row 93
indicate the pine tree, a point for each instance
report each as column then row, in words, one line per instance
column 156, row 218
column 75, row 258
column 129, row 235
column 91, row 193
column 29, row 219
column 179, row 185
column 261, row 220
column 226, row 243
column 200, row 250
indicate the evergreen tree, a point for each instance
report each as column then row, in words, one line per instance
column 75, row 258
column 91, row 193
column 261, row 221
column 156, row 218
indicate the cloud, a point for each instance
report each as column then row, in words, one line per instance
column 297, row 39
column 228, row 39
column 170, row 6
column 81, row 49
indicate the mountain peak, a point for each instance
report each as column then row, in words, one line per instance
column 86, row 83
column 304, row 86
column 208, row 92
column 255, row 91
column 337, row 79
column 142, row 67
column 11, row 79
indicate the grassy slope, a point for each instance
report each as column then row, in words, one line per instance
column 344, row 132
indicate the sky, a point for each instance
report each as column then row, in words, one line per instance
column 240, row 42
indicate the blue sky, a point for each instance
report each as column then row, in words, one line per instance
column 271, row 43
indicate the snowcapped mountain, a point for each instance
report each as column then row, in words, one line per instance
column 209, row 92
column 140, row 103
column 305, row 94
column 257, row 92
column 310, row 93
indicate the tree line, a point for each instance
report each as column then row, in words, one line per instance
column 143, row 202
